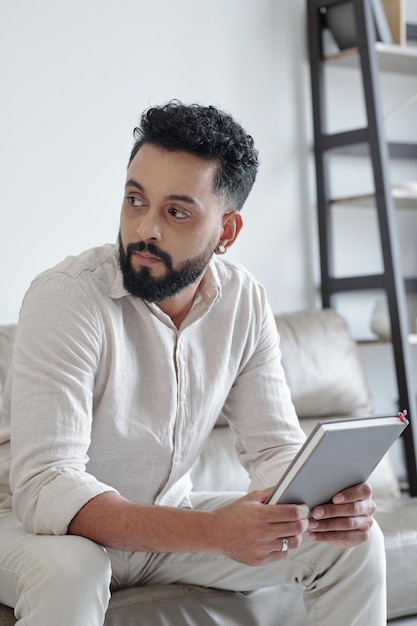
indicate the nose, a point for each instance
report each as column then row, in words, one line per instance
column 149, row 227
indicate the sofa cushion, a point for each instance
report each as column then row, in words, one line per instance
column 167, row 605
column 218, row 467
column 322, row 365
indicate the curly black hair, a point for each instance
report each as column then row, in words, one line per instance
column 208, row 133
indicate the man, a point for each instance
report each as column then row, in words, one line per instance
column 125, row 356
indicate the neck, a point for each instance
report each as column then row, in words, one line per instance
column 178, row 307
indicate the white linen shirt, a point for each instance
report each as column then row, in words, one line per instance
column 106, row 394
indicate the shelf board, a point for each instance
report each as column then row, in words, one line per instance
column 404, row 198
column 396, row 149
column 391, row 58
column 412, row 340
column 372, row 341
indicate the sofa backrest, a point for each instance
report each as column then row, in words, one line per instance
column 7, row 334
column 322, row 365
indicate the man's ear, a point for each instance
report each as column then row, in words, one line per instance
column 232, row 225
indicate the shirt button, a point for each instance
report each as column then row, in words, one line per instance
column 183, row 396
column 178, row 457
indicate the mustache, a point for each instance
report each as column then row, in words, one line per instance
column 141, row 246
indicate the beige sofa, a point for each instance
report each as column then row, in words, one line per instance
column 327, row 379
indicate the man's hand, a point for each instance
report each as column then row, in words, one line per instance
column 250, row 532
column 345, row 522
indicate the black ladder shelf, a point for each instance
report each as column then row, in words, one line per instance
column 370, row 139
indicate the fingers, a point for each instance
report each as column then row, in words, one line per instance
column 351, row 502
column 286, row 513
column 251, row 532
column 288, row 522
column 345, row 524
column 341, row 531
column 274, row 550
column 277, row 514
column 346, row 521
column 286, row 525
column 341, row 539
column 363, row 491
column 351, row 509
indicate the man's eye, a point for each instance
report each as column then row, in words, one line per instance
column 177, row 213
column 134, row 201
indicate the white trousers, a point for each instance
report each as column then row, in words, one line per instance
column 65, row 580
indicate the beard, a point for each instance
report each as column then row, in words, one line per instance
column 141, row 284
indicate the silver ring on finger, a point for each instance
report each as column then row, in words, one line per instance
column 284, row 545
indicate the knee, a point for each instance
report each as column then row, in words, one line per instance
column 85, row 557
column 74, row 573
column 69, row 563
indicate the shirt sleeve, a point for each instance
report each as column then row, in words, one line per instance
column 259, row 408
column 57, row 351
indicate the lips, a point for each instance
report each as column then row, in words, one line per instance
column 147, row 255
column 146, row 259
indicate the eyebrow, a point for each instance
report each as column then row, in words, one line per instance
column 174, row 197
column 134, row 183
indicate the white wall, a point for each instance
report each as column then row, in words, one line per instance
column 75, row 77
